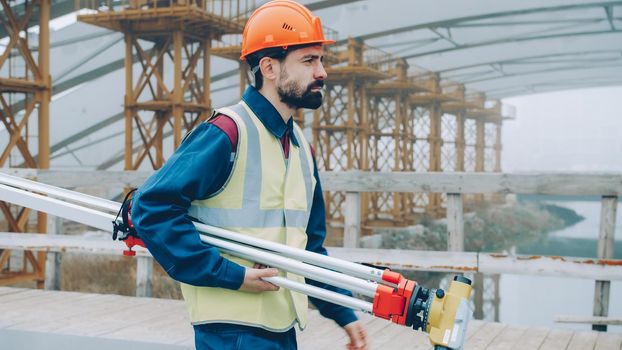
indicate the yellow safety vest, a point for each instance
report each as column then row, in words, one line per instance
column 264, row 197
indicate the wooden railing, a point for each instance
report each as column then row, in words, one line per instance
column 57, row 244
column 455, row 185
column 606, row 185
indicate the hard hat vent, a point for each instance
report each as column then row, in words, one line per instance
column 287, row 26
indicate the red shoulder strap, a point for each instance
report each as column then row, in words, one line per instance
column 227, row 125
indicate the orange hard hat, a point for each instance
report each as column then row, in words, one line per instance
column 281, row 23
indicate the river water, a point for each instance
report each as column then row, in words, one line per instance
column 536, row 301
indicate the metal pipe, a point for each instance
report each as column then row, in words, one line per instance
column 349, row 268
column 128, row 101
column 59, row 192
column 57, row 207
column 322, row 294
column 103, row 221
column 324, row 261
column 319, row 274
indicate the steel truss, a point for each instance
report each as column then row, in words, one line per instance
column 428, row 141
column 341, row 126
column 380, row 116
column 171, row 36
column 390, row 144
column 26, row 80
column 549, row 43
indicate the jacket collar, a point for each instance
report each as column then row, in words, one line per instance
column 268, row 115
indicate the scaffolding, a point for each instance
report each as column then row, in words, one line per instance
column 166, row 36
column 379, row 114
column 340, row 127
column 391, row 143
column 428, row 141
column 25, row 87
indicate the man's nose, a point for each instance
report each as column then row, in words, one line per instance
column 319, row 73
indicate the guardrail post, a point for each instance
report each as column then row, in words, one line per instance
column 455, row 243
column 144, row 276
column 352, row 220
column 478, row 298
column 455, row 223
column 496, row 302
column 605, row 251
column 52, row 260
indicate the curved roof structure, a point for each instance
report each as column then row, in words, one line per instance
column 501, row 48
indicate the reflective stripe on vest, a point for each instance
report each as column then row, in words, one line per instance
column 275, row 208
column 251, row 215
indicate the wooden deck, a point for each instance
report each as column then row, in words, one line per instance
column 37, row 319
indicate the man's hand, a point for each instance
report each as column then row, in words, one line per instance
column 253, row 283
column 358, row 336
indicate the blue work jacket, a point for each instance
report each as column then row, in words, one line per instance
column 198, row 169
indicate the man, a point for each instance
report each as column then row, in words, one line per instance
column 248, row 169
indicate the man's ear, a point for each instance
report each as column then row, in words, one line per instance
column 267, row 68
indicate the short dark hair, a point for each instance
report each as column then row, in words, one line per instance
column 253, row 59
column 278, row 53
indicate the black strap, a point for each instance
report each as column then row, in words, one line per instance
column 124, row 212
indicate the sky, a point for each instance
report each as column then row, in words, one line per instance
column 573, row 130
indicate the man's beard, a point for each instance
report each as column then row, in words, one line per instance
column 294, row 96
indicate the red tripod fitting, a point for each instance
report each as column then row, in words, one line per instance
column 123, row 228
column 392, row 303
column 130, row 242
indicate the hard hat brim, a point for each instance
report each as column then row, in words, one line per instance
column 298, row 43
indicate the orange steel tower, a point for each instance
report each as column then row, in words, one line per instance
column 427, row 140
column 390, row 143
column 172, row 41
column 25, row 87
column 452, row 131
column 488, row 120
column 452, row 127
column 230, row 47
column 454, row 115
column 341, row 126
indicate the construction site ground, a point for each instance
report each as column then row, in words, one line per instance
column 37, row 319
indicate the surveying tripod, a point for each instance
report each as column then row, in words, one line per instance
column 444, row 315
